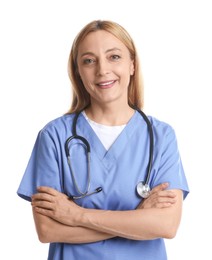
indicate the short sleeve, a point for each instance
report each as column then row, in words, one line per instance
column 169, row 164
column 42, row 168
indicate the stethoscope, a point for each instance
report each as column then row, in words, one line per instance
column 142, row 188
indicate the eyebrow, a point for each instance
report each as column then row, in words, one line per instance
column 91, row 53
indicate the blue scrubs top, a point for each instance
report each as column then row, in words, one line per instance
column 117, row 171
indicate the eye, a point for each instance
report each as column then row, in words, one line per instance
column 115, row 57
column 88, row 61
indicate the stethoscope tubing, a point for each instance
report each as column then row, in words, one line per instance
column 143, row 188
column 151, row 145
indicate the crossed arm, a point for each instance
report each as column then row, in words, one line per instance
column 58, row 219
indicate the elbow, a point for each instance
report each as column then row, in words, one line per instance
column 170, row 233
column 170, row 230
column 43, row 239
column 42, row 233
column 171, row 225
column 42, row 227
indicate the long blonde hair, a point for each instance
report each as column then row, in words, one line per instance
column 81, row 97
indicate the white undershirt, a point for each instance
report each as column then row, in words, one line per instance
column 106, row 134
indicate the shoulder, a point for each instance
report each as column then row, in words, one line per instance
column 62, row 124
column 160, row 125
column 162, row 130
column 165, row 138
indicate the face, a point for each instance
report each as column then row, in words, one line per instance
column 105, row 67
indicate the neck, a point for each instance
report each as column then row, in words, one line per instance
column 108, row 115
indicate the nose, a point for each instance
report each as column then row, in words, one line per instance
column 103, row 67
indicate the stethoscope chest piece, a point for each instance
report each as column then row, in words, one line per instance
column 143, row 190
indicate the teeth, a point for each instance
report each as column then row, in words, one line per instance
column 106, row 83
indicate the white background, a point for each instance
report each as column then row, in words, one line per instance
column 175, row 46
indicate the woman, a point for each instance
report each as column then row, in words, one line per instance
column 87, row 206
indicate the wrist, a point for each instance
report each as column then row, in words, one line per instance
column 82, row 219
column 79, row 217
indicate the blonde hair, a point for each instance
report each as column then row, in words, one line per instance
column 81, row 97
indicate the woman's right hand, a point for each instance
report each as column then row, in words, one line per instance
column 159, row 197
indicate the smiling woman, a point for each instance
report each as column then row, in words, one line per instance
column 105, row 68
column 85, row 165
column 122, row 42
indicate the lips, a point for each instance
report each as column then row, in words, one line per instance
column 106, row 84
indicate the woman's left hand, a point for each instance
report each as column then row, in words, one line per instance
column 159, row 198
column 56, row 205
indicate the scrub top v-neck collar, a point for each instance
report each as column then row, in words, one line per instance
column 107, row 157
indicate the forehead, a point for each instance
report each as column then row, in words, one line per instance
column 100, row 40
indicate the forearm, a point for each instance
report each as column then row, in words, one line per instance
column 140, row 224
column 50, row 231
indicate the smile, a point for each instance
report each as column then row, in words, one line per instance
column 106, row 84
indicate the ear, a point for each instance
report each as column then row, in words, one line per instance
column 132, row 68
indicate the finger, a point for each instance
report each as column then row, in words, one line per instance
column 166, row 193
column 164, row 200
column 160, row 197
column 160, row 187
column 164, row 205
column 42, row 196
column 42, row 204
column 157, row 204
column 160, row 202
column 45, row 212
